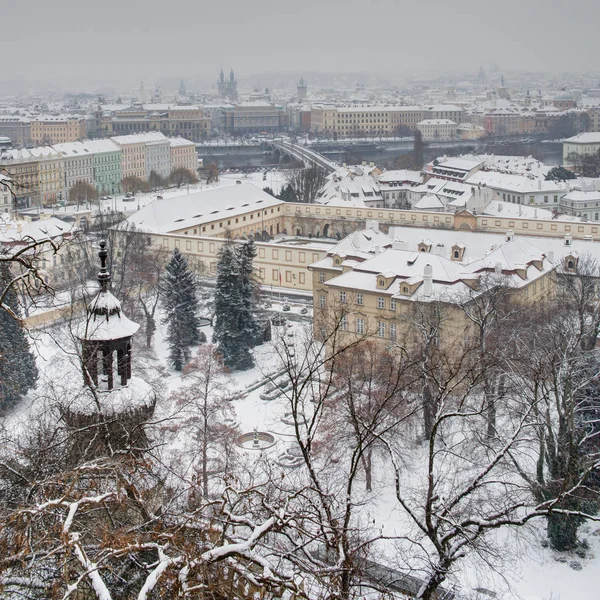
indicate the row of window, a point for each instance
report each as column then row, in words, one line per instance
column 383, row 329
column 359, row 300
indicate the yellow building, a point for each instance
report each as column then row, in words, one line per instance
column 57, row 129
column 350, row 121
column 23, row 168
column 51, row 174
column 387, row 293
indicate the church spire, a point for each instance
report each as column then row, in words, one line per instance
column 103, row 275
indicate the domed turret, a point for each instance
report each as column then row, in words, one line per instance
column 106, row 331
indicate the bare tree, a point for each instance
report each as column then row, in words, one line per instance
column 133, row 184
column 182, row 176
column 83, row 192
column 307, row 183
column 204, row 405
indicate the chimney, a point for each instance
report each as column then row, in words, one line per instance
column 428, row 280
column 539, row 184
column 397, row 245
column 498, row 268
column 510, row 234
column 440, row 250
column 568, row 239
column 372, row 224
column 377, row 249
column 551, row 256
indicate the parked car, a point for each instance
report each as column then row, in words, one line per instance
column 129, row 199
column 286, row 307
column 129, row 195
column 304, row 310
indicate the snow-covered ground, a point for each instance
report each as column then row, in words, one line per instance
column 527, row 571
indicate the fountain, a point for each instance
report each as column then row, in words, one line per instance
column 256, row 440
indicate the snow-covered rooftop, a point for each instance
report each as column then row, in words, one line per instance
column 174, row 214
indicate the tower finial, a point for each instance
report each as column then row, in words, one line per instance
column 103, row 275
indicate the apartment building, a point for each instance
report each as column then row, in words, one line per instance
column 593, row 116
column 6, row 201
column 582, row 144
column 55, row 129
column 133, row 152
column 582, row 203
column 183, row 155
column 158, row 157
column 437, row 130
column 51, row 174
column 107, row 166
column 23, row 168
column 78, row 162
column 17, row 128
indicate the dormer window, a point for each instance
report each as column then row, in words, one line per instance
column 337, row 261
column 382, row 283
column 405, row 289
column 570, row 262
column 456, row 254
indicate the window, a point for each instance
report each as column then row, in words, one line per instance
column 381, row 329
column 288, row 276
column 302, row 280
column 393, row 332
column 392, row 303
column 359, row 299
column 343, row 297
column 275, row 275
column 360, row 325
column 344, row 323
column 322, row 301
column 380, row 302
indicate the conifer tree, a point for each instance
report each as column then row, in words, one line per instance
column 230, row 333
column 245, row 254
column 180, row 302
column 18, row 372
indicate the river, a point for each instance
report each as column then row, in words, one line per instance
column 549, row 153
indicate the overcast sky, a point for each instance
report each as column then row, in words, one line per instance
column 131, row 40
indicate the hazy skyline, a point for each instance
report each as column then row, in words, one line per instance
column 125, row 42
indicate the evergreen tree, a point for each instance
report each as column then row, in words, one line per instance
column 230, row 333
column 288, row 194
column 18, row 372
column 245, row 254
column 559, row 174
column 180, row 302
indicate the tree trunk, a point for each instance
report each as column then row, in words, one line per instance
column 428, row 411
column 562, row 531
column 150, row 329
column 367, row 460
column 429, row 590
